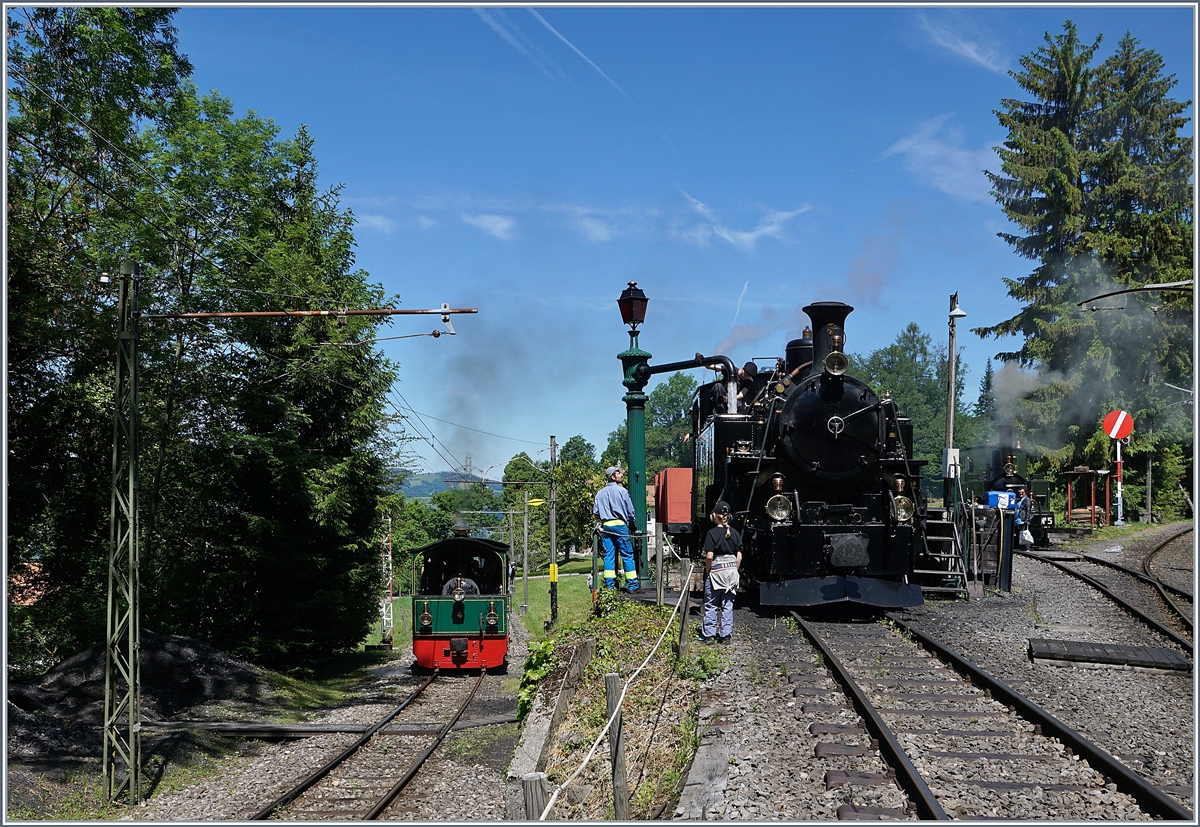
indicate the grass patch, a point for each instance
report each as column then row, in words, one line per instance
column 402, row 618
column 1108, row 533
column 332, row 684
column 574, row 604
column 660, row 709
column 1032, row 609
column 469, row 745
column 79, row 796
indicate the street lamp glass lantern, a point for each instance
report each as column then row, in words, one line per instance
column 633, row 305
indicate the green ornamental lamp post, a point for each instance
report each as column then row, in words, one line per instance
column 633, row 313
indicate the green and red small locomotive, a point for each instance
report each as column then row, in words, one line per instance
column 460, row 610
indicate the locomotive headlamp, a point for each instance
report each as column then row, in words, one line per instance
column 779, row 508
column 459, row 594
column 1009, row 469
column 836, row 363
column 902, row 509
column 426, row 618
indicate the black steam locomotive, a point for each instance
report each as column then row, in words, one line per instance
column 1006, row 468
column 819, row 471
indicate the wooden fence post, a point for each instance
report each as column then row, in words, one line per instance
column 537, row 793
column 616, row 743
column 684, row 608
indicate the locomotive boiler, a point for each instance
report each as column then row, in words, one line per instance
column 818, row 469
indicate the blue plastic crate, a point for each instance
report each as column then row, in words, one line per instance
column 1002, row 499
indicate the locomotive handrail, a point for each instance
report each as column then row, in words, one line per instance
column 762, row 448
column 683, row 595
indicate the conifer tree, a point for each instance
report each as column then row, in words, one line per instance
column 1095, row 174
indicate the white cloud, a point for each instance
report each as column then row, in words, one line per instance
column 595, row 229
column 425, row 222
column 975, row 51
column 376, row 222
column 737, row 311
column 698, row 205
column 771, row 224
column 501, row 226
column 944, row 164
column 699, row 234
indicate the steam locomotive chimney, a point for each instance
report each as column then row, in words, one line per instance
column 1005, row 434
column 828, row 320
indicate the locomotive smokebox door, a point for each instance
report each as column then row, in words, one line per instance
column 848, row 550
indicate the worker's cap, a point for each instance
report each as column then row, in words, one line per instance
column 721, row 507
column 610, row 470
column 750, row 368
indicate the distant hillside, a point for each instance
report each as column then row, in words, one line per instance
column 424, row 486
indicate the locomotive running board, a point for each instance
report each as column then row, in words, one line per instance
column 818, row 591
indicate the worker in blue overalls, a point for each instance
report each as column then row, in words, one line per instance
column 614, row 509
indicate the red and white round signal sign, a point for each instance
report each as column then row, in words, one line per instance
column 1118, row 424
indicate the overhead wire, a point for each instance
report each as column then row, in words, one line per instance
column 432, row 439
column 476, row 430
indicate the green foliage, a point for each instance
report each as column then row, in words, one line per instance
column 81, row 80
column 705, row 662
column 538, row 665
column 1096, row 175
column 578, row 478
column 913, row 370
column 668, row 420
column 985, row 411
column 263, row 441
column 608, row 602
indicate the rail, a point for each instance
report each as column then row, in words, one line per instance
column 1149, row 798
column 908, row 778
column 391, row 794
column 1178, row 639
column 324, row 770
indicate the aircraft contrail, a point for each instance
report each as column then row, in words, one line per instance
column 542, row 20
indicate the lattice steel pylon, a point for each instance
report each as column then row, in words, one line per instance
column 122, row 673
column 387, row 627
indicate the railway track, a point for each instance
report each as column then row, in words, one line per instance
column 1163, row 607
column 959, row 743
column 365, row 779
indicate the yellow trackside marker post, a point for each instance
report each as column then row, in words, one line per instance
column 553, row 593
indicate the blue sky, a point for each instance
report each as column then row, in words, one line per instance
column 738, row 163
